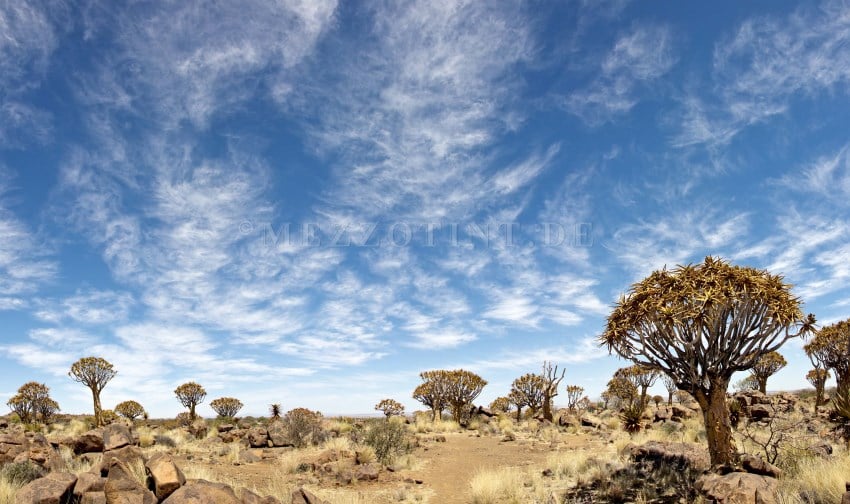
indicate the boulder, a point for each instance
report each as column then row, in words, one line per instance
column 89, row 442
column 366, row 472
column 40, row 452
column 128, row 455
column 301, row 496
column 249, row 497
column 12, row 445
column 760, row 412
column 278, row 435
column 738, row 488
column 588, row 420
column 225, row 427
column 116, row 436
column 677, row 411
column 755, row 465
column 122, row 487
column 203, row 492
column 663, row 414
column 55, row 488
column 258, row 437
column 88, row 482
column 93, row 498
column 679, row 455
column 198, row 429
column 163, row 475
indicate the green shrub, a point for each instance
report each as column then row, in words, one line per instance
column 304, row 427
column 389, row 439
column 21, row 473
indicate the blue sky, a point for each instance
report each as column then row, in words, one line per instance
column 309, row 203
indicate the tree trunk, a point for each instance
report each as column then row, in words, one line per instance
column 819, row 386
column 518, row 413
column 762, row 385
column 718, row 427
column 547, row 408
column 670, row 399
column 192, row 412
column 98, row 414
column 437, row 410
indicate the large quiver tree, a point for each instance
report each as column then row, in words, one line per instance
column 699, row 324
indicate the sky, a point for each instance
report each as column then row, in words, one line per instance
column 309, row 202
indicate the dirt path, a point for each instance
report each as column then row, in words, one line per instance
column 449, row 467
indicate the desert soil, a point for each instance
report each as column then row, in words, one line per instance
column 445, row 468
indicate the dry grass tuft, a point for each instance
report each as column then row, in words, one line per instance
column 503, row 485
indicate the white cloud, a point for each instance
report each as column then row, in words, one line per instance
column 764, row 64
column 23, row 264
column 89, row 306
column 638, row 58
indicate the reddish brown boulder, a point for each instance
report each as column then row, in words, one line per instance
column 203, row 492
column 55, row 488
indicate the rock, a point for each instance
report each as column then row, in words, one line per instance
column 116, row 436
column 225, row 427
column 198, row 429
column 278, row 434
column 249, row 457
column 55, row 488
column 89, row 442
column 588, row 420
column 679, row 455
column 738, row 488
column 366, row 472
column 163, row 475
column 88, row 482
column 760, row 412
column 122, row 487
column 249, row 497
column 301, row 496
column 663, row 414
column 677, row 411
column 12, row 445
column 755, row 465
column 440, row 438
column 93, row 498
column 203, row 492
column 258, row 437
column 128, row 455
column 40, row 452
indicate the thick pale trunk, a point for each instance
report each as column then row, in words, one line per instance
column 518, row 413
column 670, row 399
column 98, row 413
column 192, row 412
column 718, row 427
column 547, row 409
column 763, row 385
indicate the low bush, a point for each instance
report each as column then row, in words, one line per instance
column 389, row 439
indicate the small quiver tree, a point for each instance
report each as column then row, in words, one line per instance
column 94, row 373
column 226, row 407
column 390, row 407
column 190, row 395
column 766, row 366
column 130, row 410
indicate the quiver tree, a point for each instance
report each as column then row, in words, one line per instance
column 552, row 380
column 501, row 404
column 670, row 385
column 390, row 407
column 620, row 392
column 33, row 404
column 226, row 407
column 818, row 377
column 527, row 391
column 94, row 373
column 431, row 392
column 190, row 394
column 574, row 394
column 831, row 348
column 642, row 377
column 766, row 366
column 129, row 410
column 462, row 388
column 700, row 324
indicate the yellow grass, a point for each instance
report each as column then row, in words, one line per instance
column 7, row 492
column 503, row 485
column 821, row 478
